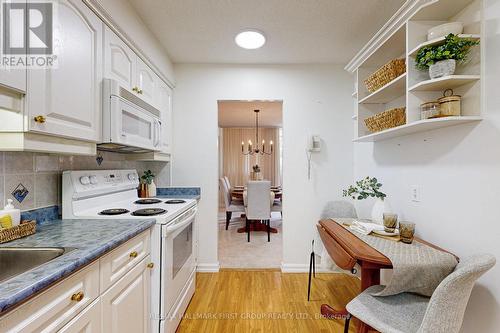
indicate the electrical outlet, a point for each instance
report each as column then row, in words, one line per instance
column 415, row 193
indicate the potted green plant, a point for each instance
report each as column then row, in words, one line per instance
column 441, row 60
column 369, row 187
column 147, row 178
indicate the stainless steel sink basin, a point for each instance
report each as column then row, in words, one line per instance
column 17, row 260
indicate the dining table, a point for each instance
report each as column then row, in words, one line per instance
column 237, row 193
column 347, row 250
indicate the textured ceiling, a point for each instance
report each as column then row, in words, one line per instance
column 241, row 114
column 297, row 31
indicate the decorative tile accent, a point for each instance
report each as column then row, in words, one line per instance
column 20, row 193
column 41, row 215
column 27, row 181
column 91, row 238
column 46, row 189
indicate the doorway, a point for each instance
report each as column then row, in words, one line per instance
column 250, row 149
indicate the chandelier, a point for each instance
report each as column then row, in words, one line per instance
column 257, row 149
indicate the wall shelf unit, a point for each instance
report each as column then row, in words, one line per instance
column 402, row 37
column 442, row 83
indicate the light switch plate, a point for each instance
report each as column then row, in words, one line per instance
column 415, row 193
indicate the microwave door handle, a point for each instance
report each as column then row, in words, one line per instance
column 157, row 133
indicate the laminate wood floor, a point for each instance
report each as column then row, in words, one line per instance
column 266, row 301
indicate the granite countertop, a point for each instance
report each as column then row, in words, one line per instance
column 91, row 238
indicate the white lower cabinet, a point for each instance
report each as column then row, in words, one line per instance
column 80, row 303
column 88, row 321
column 125, row 306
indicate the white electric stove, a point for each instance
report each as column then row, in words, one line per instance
column 112, row 194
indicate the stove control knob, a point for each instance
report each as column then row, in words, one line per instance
column 93, row 180
column 84, row 180
column 131, row 176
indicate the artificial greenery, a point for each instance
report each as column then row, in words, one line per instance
column 364, row 188
column 256, row 168
column 147, row 177
column 454, row 47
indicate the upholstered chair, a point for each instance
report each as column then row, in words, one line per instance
column 258, row 204
column 230, row 204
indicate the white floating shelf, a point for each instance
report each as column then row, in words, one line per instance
column 387, row 93
column 417, row 126
column 442, row 83
column 438, row 41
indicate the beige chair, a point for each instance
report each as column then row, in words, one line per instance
column 258, row 204
column 230, row 204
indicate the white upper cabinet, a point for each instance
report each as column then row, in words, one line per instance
column 123, row 64
column 66, row 100
column 13, row 78
column 120, row 60
column 146, row 82
column 165, row 104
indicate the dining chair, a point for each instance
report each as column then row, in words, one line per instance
column 258, row 205
column 443, row 312
column 230, row 204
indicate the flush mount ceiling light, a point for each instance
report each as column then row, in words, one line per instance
column 250, row 39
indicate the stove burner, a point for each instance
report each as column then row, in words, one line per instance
column 114, row 211
column 147, row 201
column 149, row 212
column 175, row 201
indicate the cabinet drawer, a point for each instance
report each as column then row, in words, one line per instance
column 118, row 262
column 53, row 308
column 87, row 321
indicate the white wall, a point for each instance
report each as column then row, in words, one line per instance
column 316, row 100
column 458, row 172
column 125, row 16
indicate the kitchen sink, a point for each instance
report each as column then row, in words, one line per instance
column 17, row 260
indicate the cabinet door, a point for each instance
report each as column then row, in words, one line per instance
column 13, row 77
column 165, row 105
column 146, row 80
column 65, row 100
column 125, row 306
column 120, row 60
column 88, row 321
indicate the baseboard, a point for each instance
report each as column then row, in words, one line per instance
column 302, row 268
column 208, row 268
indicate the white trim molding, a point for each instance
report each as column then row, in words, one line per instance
column 208, row 268
column 107, row 18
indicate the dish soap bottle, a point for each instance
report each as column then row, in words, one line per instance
column 15, row 214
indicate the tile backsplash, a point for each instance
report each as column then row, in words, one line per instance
column 40, row 174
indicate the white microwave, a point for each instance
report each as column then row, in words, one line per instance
column 129, row 124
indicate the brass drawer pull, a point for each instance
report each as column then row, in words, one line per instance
column 140, row 91
column 39, row 119
column 136, row 89
column 151, row 265
column 133, row 254
column 77, row 297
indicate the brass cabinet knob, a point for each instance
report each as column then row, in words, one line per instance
column 77, row 297
column 133, row 254
column 136, row 89
column 39, row 119
column 151, row 265
column 140, row 91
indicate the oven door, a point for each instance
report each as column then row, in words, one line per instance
column 178, row 257
column 132, row 126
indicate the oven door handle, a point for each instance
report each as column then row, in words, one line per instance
column 182, row 223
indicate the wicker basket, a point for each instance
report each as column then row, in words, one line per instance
column 24, row 229
column 387, row 119
column 385, row 74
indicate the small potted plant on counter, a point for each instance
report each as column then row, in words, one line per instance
column 148, row 186
column 441, row 60
column 366, row 188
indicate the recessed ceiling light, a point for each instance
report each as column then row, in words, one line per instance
column 250, row 39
